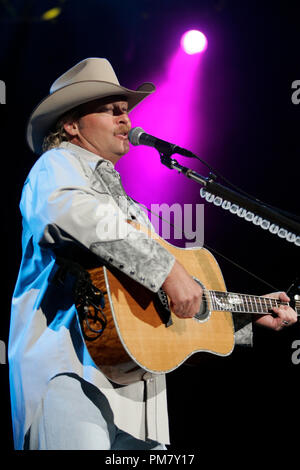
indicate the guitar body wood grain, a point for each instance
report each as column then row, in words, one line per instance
column 136, row 339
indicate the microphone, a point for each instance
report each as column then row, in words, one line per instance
column 137, row 136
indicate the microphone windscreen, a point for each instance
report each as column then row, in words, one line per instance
column 134, row 135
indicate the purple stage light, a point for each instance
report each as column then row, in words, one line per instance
column 193, row 42
column 171, row 114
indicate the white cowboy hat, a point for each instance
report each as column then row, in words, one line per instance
column 88, row 80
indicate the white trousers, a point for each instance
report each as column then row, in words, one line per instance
column 75, row 415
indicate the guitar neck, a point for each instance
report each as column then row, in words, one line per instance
column 244, row 303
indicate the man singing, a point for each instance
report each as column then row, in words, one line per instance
column 60, row 398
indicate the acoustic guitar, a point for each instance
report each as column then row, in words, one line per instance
column 142, row 334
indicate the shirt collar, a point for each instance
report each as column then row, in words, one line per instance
column 86, row 154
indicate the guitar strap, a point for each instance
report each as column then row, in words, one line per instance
column 88, row 299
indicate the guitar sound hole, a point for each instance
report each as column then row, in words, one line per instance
column 204, row 312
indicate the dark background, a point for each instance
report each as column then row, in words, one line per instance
column 253, row 130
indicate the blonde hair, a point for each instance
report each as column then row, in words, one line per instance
column 58, row 135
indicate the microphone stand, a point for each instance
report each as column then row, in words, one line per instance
column 258, row 208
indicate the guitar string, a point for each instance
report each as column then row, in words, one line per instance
column 229, row 260
column 210, row 300
column 211, row 249
column 244, row 297
column 249, row 303
column 225, row 293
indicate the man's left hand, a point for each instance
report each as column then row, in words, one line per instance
column 285, row 315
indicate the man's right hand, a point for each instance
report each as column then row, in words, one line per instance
column 185, row 294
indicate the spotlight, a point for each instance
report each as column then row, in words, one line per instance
column 193, row 42
column 51, row 14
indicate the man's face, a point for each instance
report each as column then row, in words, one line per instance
column 102, row 128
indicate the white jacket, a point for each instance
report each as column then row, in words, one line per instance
column 73, row 202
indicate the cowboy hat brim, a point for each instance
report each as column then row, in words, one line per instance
column 51, row 108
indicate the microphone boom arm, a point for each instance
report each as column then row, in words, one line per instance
column 242, row 202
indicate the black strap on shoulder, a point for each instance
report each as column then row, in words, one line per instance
column 88, row 299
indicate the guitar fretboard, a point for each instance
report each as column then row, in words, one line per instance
column 244, row 303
